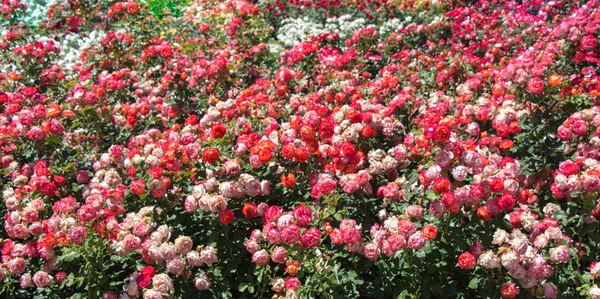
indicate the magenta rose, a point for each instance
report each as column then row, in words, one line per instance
column 311, row 238
column 588, row 43
column 303, row 215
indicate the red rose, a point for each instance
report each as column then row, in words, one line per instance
column 60, row 276
column 429, row 232
column 272, row 213
column 166, row 52
column 442, row 133
column 143, row 281
column 348, row 149
column 441, row 185
column 302, row 154
column 325, row 130
column 138, row 187
column 483, row 214
column 250, row 210
column 568, row 168
column 506, row 202
column 148, row 271
column 156, row 172
column 56, row 127
column 133, row 8
column 580, row 127
column 466, row 261
column 59, row 180
column 226, row 216
column 265, row 155
column 509, row 290
column 288, row 151
column 535, row 85
column 450, row 203
column 288, row 180
column 292, row 283
column 50, row 189
column 588, row 43
column 564, row 133
column 497, row 185
column 336, row 236
column 217, row 131
column 210, row 155
column 476, row 192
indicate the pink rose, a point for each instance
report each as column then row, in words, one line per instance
column 202, row 282
column 162, row 283
column 565, row 133
column 41, row 279
column 252, row 246
column 371, row 251
column 292, row 283
column 290, row 234
column 183, row 244
column 303, row 215
column 25, row 281
column 279, row 255
column 416, row 240
column 588, row 43
column 351, row 235
column 176, row 266
column 208, row 255
column 535, row 85
column 311, row 238
column 580, row 127
column 559, row 254
column 260, row 257
column 272, row 213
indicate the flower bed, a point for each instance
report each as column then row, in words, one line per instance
column 300, row 149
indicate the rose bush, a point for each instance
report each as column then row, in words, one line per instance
column 300, row 149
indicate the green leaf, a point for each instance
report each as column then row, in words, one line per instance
column 474, row 283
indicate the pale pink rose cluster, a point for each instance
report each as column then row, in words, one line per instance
column 522, row 252
column 398, row 233
column 282, row 229
column 356, row 182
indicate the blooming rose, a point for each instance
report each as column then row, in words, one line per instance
column 416, row 241
column 466, row 261
column 162, row 283
column 202, row 282
column 260, row 257
column 371, row 251
column 208, row 255
column 588, row 43
column 279, row 255
column 41, row 279
column 176, row 266
column 311, row 238
column 292, row 283
column 535, row 85
column 303, row 215
column 559, row 254
column 290, row 234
